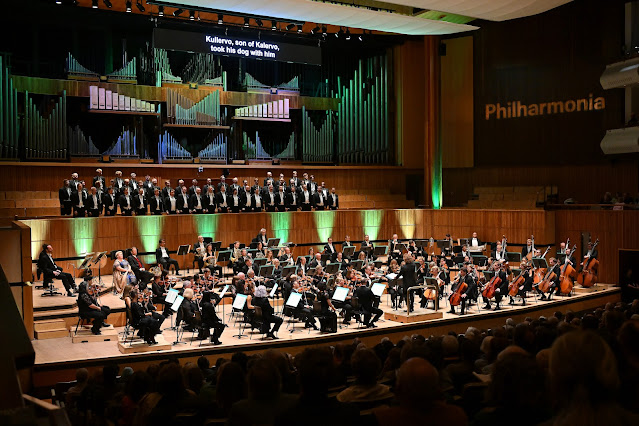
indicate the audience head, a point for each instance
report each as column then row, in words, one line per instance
column 417, row 383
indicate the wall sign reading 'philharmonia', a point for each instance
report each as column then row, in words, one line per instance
column 516, row 109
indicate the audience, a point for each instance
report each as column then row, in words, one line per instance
column 565, row 369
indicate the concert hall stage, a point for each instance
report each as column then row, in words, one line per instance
column 58, row 358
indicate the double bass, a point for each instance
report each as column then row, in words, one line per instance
column 566, row 276
column 588, row 275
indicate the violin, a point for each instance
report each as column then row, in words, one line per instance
column 588, row 275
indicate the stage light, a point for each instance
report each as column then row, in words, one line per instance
column 58, row 1
column 289, row 27
column 259, row 23
column 348, row 34
column 141, row 7
column 299, row 28
column 178, row 12
column 315, row 30
column 94, row 4
column 108, row 3
column 247, row 21
column 220, row 19
column 128, row 6
column 192, row 15
column 273, row 25
column 324, row 30
column 160, row 10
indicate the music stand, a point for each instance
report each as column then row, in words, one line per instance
column 561, row 258
column 224, row 256
column 340, row 294
column 311, row 272
column 183, row 250
column 84, row 265
column 169, row 299
column 367, row 250
column 330, row 282
column 479, row 260
column 463, row 241
column 266, row 271
column 540, row 262
column 287, row 271
column 332, row 268
column 253, row 245
column 273, row 242
column 238, row 304
column 97, row 262
column 224, row 290
column 457, row 249
column 380, row 251
column 458, row 260
column 357, row 264
column 259, row 262
column 325, row 257
column 216, row 245
column 175, row 307
column 513, row 256
column 293, row 302
column 207, row 241
column 348, row 251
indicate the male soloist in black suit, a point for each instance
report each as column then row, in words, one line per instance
column 51, row 271
column 162, row 258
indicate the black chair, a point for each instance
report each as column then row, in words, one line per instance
column 129, row 328
column 317, row 313
column 259, row 323
column 82, row 320
column 358, row 312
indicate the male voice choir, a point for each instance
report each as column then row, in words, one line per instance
column 146, row 197
column 404, row 275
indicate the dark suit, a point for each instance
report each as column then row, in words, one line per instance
column 254, row 201
column 306, row 206
column 144, row 277
column 333, row 201
column 209, row 202
column 332, row 251
column 409, row 275
column 156, row 205
column 292, row 201
column 235, row 206
column 166, row 191
column 246, row 199
column 366, row 300
column 166, row 262
column 101, row 180
column 182, row 203
column 525, row 251
column 167, row 205
column 48, row 267
column 95, row 209
column 280, row 201
column 222, row 199
column 110, row 202
column 140, row 205
column 64, row 195
column 269, row 204
column 319, row 202
column 149, row 188
column 126, row 209
column 75, row 201
column 193, row 204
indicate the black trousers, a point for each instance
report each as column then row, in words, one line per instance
column 140, row 212
column 127, row 212
column 159, row 318
column 199, row 262
column 368, row 312
column 148, row 327
column 66, row 278
column 94, row 212
column 99, row 317
column 270, row 208
column 281, row 208
column 79, row 211
column 275, row 320
column 218, row 329
column 306, row 207
column 166, row 263
column 65, row 208
column 157, row 212
column 348, row 309
column 109, row 212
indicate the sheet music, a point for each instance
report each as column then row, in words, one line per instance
column 171, row 295
column 378, row 289
column 340, row 294
column 294, row 299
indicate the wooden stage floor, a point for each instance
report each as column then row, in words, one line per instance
column 58, row 358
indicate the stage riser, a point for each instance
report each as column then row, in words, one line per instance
column 45, row 377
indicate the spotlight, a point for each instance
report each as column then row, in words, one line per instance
column 220, row 19
column 108, row 4
column 128, row 6
column 273, row 25
column 140, row 6
column 191, row 15
column 94, row 4
column 259, row 23
column 178, row 12
column 289, row 27
column 247, row 21
column 299, row 28
column 58, row 1
column 315, row 30
column 323, row 29
column 160, row 10
column 348, row 34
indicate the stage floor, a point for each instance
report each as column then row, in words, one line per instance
column 60, row 353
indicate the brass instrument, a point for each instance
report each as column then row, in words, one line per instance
column 156, row 271
column 200, row 252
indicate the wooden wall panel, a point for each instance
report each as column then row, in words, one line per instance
column 457, row 103
column 586, row 183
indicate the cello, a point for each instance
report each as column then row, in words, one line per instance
column 513, row 287
column 588, row 275
column 544, row 285
column 456, row 297
column 489, row 290
column 567, row 273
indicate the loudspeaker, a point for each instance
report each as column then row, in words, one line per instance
column 226, row 172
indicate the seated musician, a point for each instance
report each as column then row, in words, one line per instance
column 286, row 257
column 553, row 267
column 122, row 273
column 303, row 311
column 328, row 317
column 260, row 300
column 149, row 307
column 590, row 254
column 137, row 266
column 317, row 261
column 527, row 249
column 89, row 307
column 464, row 251
column 330, row 249
column 210, row 320
column 51, row 271
column 159, row 291
column 474, row 241
column 396, row 293
column 187, row 311
column 394, row 249
column 143, row 320
column 210, row 261
column 140, row 202
column 345, row 306
column 499, row 253
column 467, row 295
column 126, row 202
column 196, row 202
column 500, row 291
column 526, row 274
column 163, row 259
column 261, row 237
column 366, row 300
column 199, row 249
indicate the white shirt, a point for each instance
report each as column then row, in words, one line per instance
column 258, row 201
column 199, row 202
column 334, row 200
column 321, row 199
column 186, row 201
column 236, row 201
column 141, row 197
column 95, row 201
column 173, row 203
column 164, row 253
column 281, row 197
column 211, row 200
column 474, row 242
column 306, row 196
column 330, row 246
column 54, row 265
column 112, row 206
column 80, row 197
column 157, row 203
column 223, row 199
column 128, row 201
column 271, row 196
column 248, row 201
